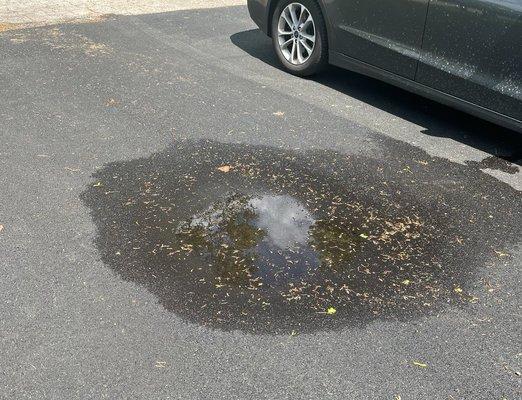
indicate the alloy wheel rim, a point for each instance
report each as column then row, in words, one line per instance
column 296, row 33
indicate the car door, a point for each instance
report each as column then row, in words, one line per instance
column 384, row 33
column 472, row 49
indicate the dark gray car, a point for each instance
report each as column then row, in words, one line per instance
column 464, row 53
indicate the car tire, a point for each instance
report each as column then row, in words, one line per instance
column 294, row 61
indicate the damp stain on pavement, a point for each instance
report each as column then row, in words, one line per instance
column 505, row 164
column 271, row 241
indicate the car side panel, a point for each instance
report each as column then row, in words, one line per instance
column 473, row 50
column 383, row 33
column 355, row 65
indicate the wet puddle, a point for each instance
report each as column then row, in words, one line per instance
column 265, row 240
column 497, row 163
column 253, row 241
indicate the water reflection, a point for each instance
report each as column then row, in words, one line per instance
column 285, row 221
column 255, row 241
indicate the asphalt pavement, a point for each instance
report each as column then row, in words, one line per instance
column 122, row 140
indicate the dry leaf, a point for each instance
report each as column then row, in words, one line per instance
column 1, row 227
column 225, row 168
column 501, row 253
column 279, row 113
column 419, row 364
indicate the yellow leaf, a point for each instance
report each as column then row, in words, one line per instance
column 458, row 290
column 279, row 113
column 225, row 168
column 501, row 253
column 98, row 184
column 363, row 236
column 419, row 364
column 406, row 282
column 331, row 311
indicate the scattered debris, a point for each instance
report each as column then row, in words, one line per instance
column 6, row 26
column 55, row 38
column 278, row 242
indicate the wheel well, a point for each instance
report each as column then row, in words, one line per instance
column 271, row 10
